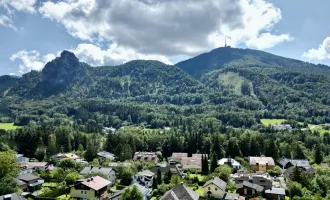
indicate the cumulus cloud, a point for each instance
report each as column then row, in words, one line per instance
column 12, row 6
column 31, row 60
column 114, row 55
column 319, row 54
column 168, row 27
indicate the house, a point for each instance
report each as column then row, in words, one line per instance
column 180, row 192
column 145, row 178
column 29, row 182
column 12, row 196
column 20, row 158
column 146, row 192
column 282, row 127
column 115, row 165
column 262, row 179
column 286, row 163
column 193, row 162
column 287, row 172
column 61, row 156
column 230, row 162
column 214, row 188
column 232, row 196
column 95, row 187
column 164, row 168
column 261, row 163
column 30, row 167
column 176, row 158
column 106, row 171
column 275, row 194
column 102, row 156
column 247, row 188
column 117, row 195
column 146, row 157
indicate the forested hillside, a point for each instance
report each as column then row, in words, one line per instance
column 236, row 87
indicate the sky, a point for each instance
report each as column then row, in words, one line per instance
column 111, row 32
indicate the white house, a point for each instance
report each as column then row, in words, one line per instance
column 107, row 172
column 215, row 188
column 145, row 178
column 231, row 162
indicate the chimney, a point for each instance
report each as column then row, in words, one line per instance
column 91, row 178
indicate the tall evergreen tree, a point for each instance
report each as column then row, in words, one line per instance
column 296, row 174
column 214, row 162
column 318, row 157
column 159, row 177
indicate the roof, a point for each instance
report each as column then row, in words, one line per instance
column 146, row 173
column 67, row 155
column 299, row 162
column 180, row 192
column 105, row 154
column 144, row 191
column 116, row 194
column 13, row 196
column 287, row 173
column 224, row 161
column 145, row 156
column 230, row 196
column 197, row 161
column 96, row 183
column 258, row 188
column 179, row 155
column 34, row 164
column 262, row 160
column 28, row 177
column 218, row 182
column 279, row 191
column 92, row 169
column 20, row 183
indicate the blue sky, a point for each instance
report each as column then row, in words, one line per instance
column 108, row 32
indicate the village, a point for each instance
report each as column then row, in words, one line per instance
column 152, row 176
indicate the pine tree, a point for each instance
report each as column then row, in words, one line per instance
column 155, row 184
column 159, row 177
column 167, row 177
column 214, row 161
column 296, row 174
column 318, row 157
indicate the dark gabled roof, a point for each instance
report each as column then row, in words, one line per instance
column 28, row 177
column 258, row 188
column 299, row 162
column 287, row 173
column 13, row 196
column 180, row 192
column 116, row 194
column 218, row 182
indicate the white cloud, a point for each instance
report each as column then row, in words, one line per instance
column 267, row 40
column 31, row 60
column 319, row 54
column 114, row 55
column 11, row 6
column 168, row 27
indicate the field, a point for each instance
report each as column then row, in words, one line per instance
column 8, row 126
column 267, row 122
column 320, row 128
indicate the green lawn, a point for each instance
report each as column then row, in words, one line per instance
column 267, row 122
column 319, row 128
column 8, row 126
column 63, row 197
column 199, row 176
column 199, row 190
column 50, row 185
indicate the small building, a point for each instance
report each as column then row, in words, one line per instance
column 116, row 195
column 286, row 163
column 262, row 179
column 95, row 187
column 102, row 156
column 12, row 196
column 61, row 156
column 215, row 188
column 146, row 192
column 176, row 158
column 115, row 165
column 164, row 168
column 230, row 162
column 232, row 196
column 247, row 188
column 106, row 171
column 261, row 163
column 145, row 178
column 282, row 127
column 29, row 182
column 146, row 157
column 180, row 192
column 275, row 194
column 20, row 158
column 193, row 162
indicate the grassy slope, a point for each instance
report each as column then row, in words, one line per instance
column 8, row 126
column 267, row 122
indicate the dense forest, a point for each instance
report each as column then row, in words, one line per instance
column 213, row 104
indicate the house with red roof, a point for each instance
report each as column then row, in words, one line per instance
column 94, row 187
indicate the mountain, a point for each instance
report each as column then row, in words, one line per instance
column 236, row 87
column 6, row 82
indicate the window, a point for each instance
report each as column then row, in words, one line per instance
column 216, row 189
column 262, row 181
column 209, row 188
column 81, row 192
column 85, row 192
